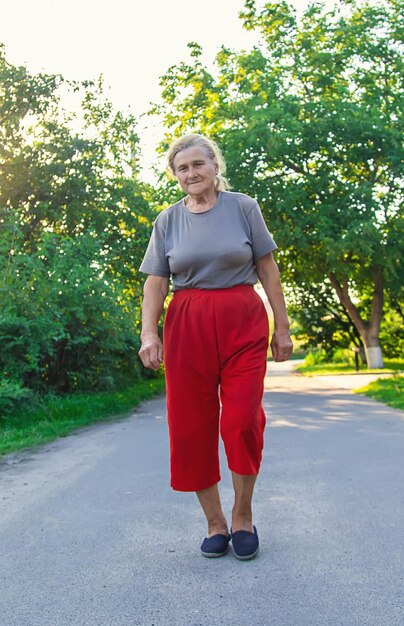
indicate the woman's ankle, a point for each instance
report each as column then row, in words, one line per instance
column 241, row 520
column 218, row 527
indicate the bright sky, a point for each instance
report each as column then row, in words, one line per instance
column 131, row 42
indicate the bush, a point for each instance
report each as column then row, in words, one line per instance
column 340, row 355
column 392, row 334
column 343, row 355
column 65, row 325
column 13, row 395
column 315, row 357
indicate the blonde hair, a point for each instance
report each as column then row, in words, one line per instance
column 212, row 150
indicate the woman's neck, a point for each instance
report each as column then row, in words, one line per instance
column 201, row 202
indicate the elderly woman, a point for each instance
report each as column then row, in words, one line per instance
column 215, row 245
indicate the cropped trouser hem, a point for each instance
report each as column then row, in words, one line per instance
column 215, row 352
column 193, row 486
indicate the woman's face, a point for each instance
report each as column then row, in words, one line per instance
column 195, row 171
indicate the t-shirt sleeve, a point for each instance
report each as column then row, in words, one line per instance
column 262, row 242
column 155, row 261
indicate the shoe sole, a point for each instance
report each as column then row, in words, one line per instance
column 214, row 555
column 246, row 557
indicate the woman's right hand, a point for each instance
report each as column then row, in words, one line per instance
column 151, row 352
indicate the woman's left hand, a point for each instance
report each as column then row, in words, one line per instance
column 281, row 346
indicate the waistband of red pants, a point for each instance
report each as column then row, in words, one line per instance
column 180, row 294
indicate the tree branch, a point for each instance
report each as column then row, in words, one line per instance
column 342, row 291
column 295, row 168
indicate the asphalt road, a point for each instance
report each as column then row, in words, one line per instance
column 92, row 535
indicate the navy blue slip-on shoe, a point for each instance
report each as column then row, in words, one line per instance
column 215, row 546
column 245, row 544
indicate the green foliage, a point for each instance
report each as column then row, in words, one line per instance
column 13, row 394
column 387, row 390
column 320, row 321
column 316, row 357
column 64, row 328
column 75, row 221
column 392, row 333
column 343, row 356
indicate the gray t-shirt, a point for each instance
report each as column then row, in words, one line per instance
column 213, row 249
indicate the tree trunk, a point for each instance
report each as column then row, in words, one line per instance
column 374, row 357
column 369, row 331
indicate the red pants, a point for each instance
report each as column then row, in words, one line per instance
column 215, row 348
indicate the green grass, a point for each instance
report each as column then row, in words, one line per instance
column 324, row 369
column 58, row 416
column 387, row 390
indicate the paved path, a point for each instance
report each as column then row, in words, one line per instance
column 92, row 535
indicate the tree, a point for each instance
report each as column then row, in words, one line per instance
column 75, row 220
column 310, row 123
column 320, row 320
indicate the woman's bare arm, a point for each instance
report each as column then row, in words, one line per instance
column 268, row 273
column 155, row 292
